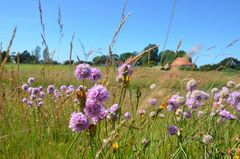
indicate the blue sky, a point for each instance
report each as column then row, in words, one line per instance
column 197, row 22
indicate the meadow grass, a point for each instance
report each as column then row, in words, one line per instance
column 32, row 132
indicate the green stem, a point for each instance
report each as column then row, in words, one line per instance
column 70, row 147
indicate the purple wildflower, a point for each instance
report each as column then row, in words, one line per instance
column 71, row 87
column 30, row 103
column 34, row 91
column 63, row 88
column 124, row 70
column 174, row 102
column 40, row 88
column 187, row 114
column 50, row 89
column 234, row 99
column 95, row 110
column 95, row 74
column 226, row 114
column 75, row 100
column 31, row 80
column 82, row 71
column 98, row 93
column 152, row 101
column 238, row 107
column 25, row 87
column 79, row 122
column 41, row 94
column 80, row 88
column 32, row 96
column 57, row 94
column 39, row 104
column 113, row 108
column 24, row 100
column 193, row 103
column 216, row 96
column 141, row 111
column 127, row 115
column 30, row 90
column 172, row 130
column 191, row 85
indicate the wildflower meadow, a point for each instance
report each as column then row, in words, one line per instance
column 99, row 104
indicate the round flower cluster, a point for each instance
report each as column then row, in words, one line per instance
column 152, row 101
column 175, row 102
column 234, row 100
column 84, row 71
column 191, row 85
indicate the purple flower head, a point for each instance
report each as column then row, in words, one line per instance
column 39, row 100
column 40, row 88
column 78, row 122
column 98, row 93
column 95, row 110
column 24, row 100
column 50, row 89
column 31, row 80
column 95, row 74
column 234, row 99
column 238, row 107
column 187, row 114
column 193, row 103
column 39, row 104
column 34, row 91
column 63, row 88
column 124, row 70
column 25, row 87
column 216, row 97
column 191, row 85
column 30, row 89
column 217, row 105
column 57, row 94
column 41, row 94
column 75, row 101
column 226, row 115
column 113, row 108
column 174, row 102
column 30, row 103
column 82, row 71
column 127, row 115
column 32, row 96
column 80, row 88
column 199, row 95
column 152, row 101
column 141, row 111
column 71, row 87
column 172, row 130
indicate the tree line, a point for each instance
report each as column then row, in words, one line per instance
column 150, row 58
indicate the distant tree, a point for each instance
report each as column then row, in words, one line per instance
column 227, row 63
column 125, row 56
column 67, row 62
column 230, row 62
column 100, row 60
column 37, row 54
column 46, row 56
column 150, row 57
column 3, row 56
column 167, row 56
column 180, row 53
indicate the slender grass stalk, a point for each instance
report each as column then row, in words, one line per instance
column 70, row 147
